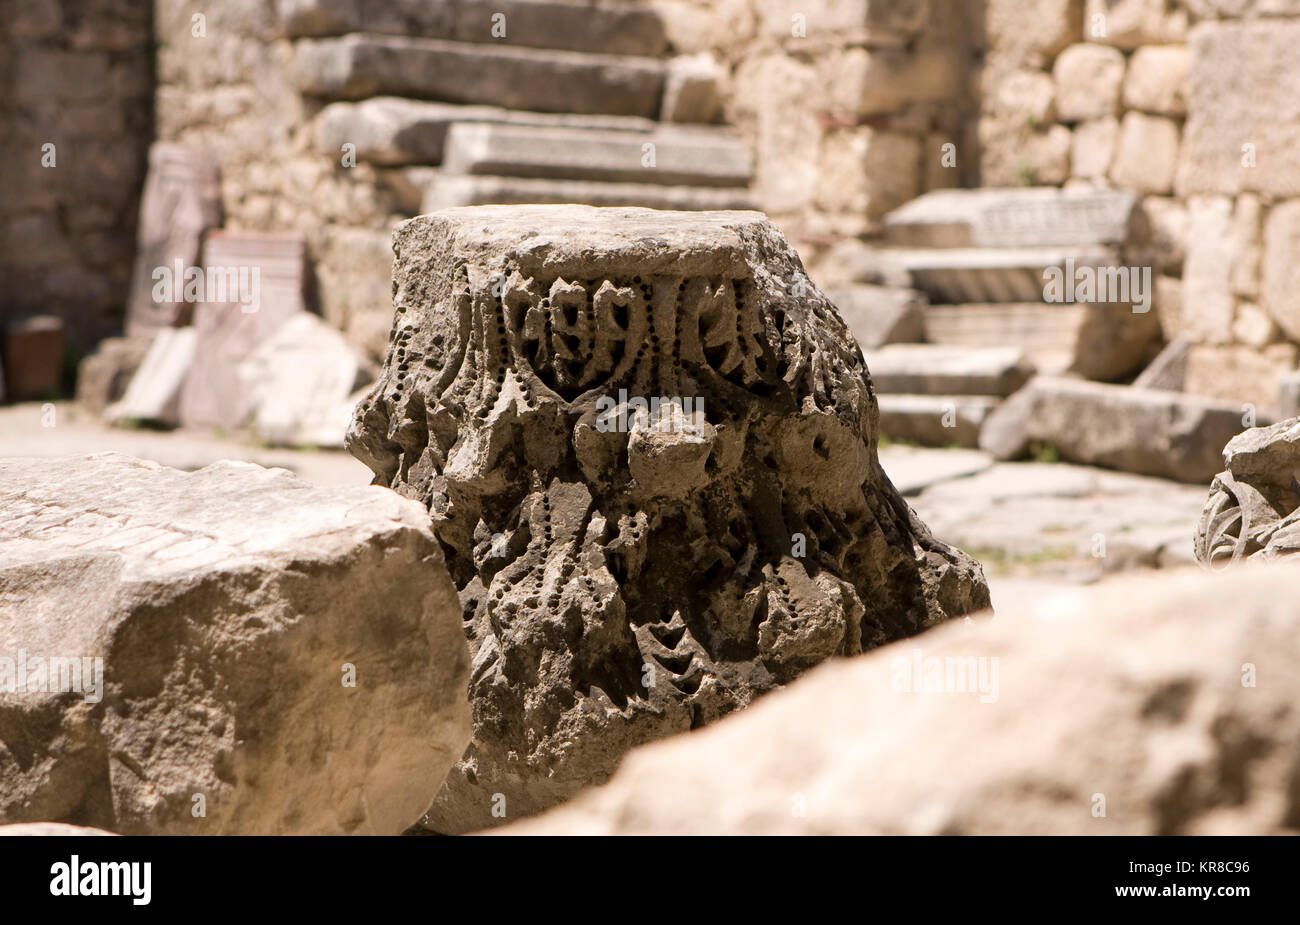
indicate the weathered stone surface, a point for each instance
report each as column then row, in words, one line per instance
column 1161, row 233
column 301, row 383
column 610, row 28
column 358, row 66
column 102, row 377
column 227, row 332
column 1093, row 147
column 1239, row 374
column 960, row 275
column 859, row 19
column 1254, row 505
column 1088, row 82
column 1132, row 691
column 879, row 315
column 672, row 156
column 33, row 358
column 624, row 583
column 1031, row 32
column 864, row 173
column 1157, row 80
column 225, row 605
column 1045, row 217
column 446, row 191
column 1208, row 303
column 1288, row 396
column 154, row 393
column 1094, row 340
column 935, row 420
column 936, row 369
column 1243, row 124
column 1146, row 157
column 1146, row 431
column 181, row 201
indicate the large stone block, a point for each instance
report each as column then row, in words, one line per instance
column 629, row 575
column 103, row 377
column 1146, row 157
column 204, row 627
column 879, row 315
column 154, row 393
column 1131, row 24
column 1243, row 124
column 1088, row 82
column 1208, row 303
column 361, row 65
column 1281, row 269
column 1146, row 431
column 1031, row 32
column 1157, row 80
column 181, row 201
column 936, row 369
column 1239, row 374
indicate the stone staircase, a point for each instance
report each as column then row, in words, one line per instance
column 467, row 103
column 979, row 259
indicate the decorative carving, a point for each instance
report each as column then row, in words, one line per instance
column 1253, row 510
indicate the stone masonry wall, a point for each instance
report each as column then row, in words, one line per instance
column 77, row 75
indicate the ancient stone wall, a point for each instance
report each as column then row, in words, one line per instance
column 76, row 103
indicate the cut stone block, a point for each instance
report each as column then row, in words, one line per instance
column 646, row 589
column 935, row 420
column 932, row 369
column 103, row 377
column 668, row 156
column 1150, row 432
column 609, row 28
column 989, row 274
column 1168, row 370
column 181, row 201
column 301, row 383
column 1046, row 217
column 446, row 191
column 227, row 332
column 359, row 66
column 880, row 315
column 390, row 130
column 154, row 394
column 33, row 358
column 291, row 654
column 1088, row 82
column 692, row 89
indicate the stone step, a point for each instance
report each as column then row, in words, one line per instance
column 935, row 420
column 1094, row 340
column 880, row 315
column 934, row 369
column 669, row 156
column 615, row 29
column 358, row 66
column 989, row 274
column 1012, row 218
column 443, row 191
column 390, row 130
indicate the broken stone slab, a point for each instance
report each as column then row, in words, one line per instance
column 283, row 657
column 1147, row 431
column 154, row 393
column 1099, row 341
column 913, row 469
column 446, row 191
column 33, row 358
column 1168, row 370
column 226, row 332
column 1040, row 217
column 103, row 377
column 302, row 383
column 963, row 275
column 935, row 420
column 670, row 156
column 180, row 203
column 1062, row 701
column 629, row 575
column 880, row 315
column 390, row 130
column 1254, row 505
column 609, row 28
column 934, row 369
column 358, row 66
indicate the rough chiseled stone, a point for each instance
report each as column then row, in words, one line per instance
column 621, row 583
column 226, row 606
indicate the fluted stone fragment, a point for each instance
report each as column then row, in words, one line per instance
column 648, row 445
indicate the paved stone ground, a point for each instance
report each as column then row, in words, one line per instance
column 1036, row 526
